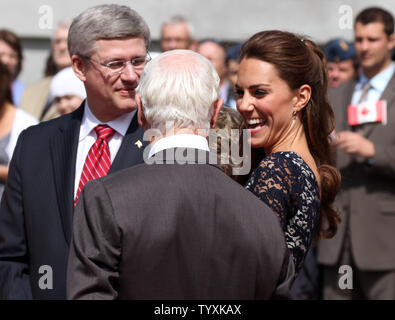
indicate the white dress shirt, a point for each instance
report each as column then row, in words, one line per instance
column 378, row 84
column 88, row 137
column 179, row 141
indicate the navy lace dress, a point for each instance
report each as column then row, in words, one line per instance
column 289, row 187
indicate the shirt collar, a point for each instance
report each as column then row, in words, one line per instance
column 380, row 80
column 179, row 141
column 89, row 122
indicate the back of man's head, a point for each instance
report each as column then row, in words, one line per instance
column 180, row 87
column 105, row 22
column 375, row 14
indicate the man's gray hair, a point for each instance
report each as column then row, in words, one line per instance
column 178, row 19
column 105, row 22
column 180, row 87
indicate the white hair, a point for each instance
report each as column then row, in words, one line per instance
column 179, row 86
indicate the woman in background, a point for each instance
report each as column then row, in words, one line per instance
column 66, row 93
column 11, row 56
column 12, row 122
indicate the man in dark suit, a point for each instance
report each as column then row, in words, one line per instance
column 176, row 227
column 52, row 161
column 360, row 260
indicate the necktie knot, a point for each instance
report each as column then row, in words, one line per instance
column 104, row 132
column 365, row 88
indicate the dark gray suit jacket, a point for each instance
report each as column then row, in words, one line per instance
column 171, row 231
column 367, row 198
column 37, row 206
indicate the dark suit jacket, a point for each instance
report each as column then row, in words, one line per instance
column 37, row 206
column 171, row 231
column 367, row 198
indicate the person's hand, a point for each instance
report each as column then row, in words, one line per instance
column 354, row 144
column 3, row 173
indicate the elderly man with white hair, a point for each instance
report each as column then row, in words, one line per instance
column 176, row 227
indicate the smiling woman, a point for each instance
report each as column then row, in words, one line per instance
column 281, row 94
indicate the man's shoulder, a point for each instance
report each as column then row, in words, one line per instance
column 186, row 184
column 46, row 130
column 181, row 176
column 45, row 126
column 167, row 176
column 144, row 172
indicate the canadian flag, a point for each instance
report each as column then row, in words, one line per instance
column 366, row 112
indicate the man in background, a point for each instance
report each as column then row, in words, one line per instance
column 176, row 33
column 216, row 54
column 341, row 61
column 233, row 63
column 363, row 250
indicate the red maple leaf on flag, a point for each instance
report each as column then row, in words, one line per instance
column 365, row 111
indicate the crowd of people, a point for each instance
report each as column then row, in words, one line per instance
column 120, row 192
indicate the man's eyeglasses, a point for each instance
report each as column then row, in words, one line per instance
column 117, row 66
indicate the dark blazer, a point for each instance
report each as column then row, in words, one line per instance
column 37, row 206
column 367, row 198
column 172, row 231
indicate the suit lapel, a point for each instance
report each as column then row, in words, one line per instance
column 63, row 146
column 130, row 153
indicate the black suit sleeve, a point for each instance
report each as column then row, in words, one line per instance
column 92, row 271
column 14, row 259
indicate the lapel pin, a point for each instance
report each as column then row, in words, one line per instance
column 138, row 144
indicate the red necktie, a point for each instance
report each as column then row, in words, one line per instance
column 98, row 161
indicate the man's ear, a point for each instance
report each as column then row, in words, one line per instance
column 79, row 67
column 140, row 112
column 391, row 41
column 302, row 98
column 217, row 105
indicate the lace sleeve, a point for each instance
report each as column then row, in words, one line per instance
column 288, row 186
column 270, row 182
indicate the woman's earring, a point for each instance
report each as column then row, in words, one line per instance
column 294, row 115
